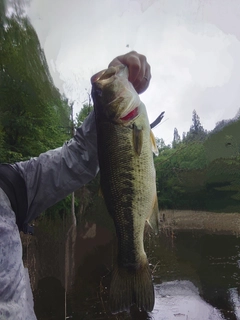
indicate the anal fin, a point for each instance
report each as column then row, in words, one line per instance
column 153, row 219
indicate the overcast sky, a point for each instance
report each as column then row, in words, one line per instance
column 193, row 47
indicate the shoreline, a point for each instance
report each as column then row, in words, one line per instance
column 210, row 222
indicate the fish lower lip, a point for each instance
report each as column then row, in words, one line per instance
column 97, row 76
column 104, row 74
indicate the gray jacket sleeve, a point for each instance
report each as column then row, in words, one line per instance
column 56, row 173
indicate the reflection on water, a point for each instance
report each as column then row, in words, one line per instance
column 181, row 300
column 196, row 275
column 208, row 261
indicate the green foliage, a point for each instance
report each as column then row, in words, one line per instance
column 82, row 115
column 196, row 132
column 176, row 138
column 161, row 145
column 196, row 127
column 2, row 12
column 201, row 175
column 224, row 143
column 171, row 165
column 61, row 208
column 34, row 116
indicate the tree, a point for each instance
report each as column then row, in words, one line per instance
column 84, row 112
column 2, row 12
column 33, row 113
column 176, row 138
column 196, row 127
column 161, row 144
column 196, row 132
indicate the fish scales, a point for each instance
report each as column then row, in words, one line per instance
column 127, row 177
column 125, row 185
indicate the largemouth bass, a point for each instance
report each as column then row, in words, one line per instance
column 127, row 178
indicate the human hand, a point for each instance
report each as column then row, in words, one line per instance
column 138, row 67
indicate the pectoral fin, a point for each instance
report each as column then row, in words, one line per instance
column 137, row 139
column 154, row 145
column 153, row 219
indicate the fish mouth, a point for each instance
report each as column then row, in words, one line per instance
column 107, row 74
column 122, row 90
column 104, row 75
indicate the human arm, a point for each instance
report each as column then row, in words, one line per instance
column 56, row 173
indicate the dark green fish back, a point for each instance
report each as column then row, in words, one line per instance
column 117, row 183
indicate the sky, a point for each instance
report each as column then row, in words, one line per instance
column 193, row 47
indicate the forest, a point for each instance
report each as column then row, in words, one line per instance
column 34, row 117
column 201, row 171
column 198, row 171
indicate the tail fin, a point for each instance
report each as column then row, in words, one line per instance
column 129, row 287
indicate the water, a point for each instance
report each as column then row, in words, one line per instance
column 196, row 273
column 210, row 262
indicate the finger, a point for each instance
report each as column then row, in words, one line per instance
column 138, row 67
column 144, row 80
column 134, row 64
column 141, row 75
column 115, row 62
column 138, row 72
column 132, row 61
